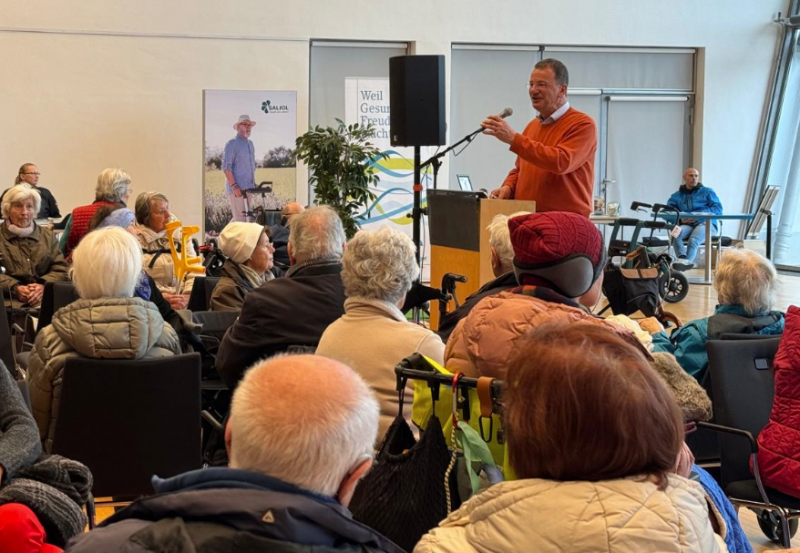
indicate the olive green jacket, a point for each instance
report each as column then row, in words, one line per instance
column 30, row 260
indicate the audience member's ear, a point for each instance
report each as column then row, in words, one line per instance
column 348, row 485
column 289, row 252
column 228, row 438
column 496, row 267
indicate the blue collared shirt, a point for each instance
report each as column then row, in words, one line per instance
column 240, row 158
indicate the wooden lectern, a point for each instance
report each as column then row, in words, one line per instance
column 459, row 239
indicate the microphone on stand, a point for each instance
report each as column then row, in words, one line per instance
column 503, row 114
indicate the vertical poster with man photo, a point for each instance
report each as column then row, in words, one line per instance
column 249, row 145
column 367, row 102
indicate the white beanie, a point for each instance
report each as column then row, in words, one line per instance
column 238, row 240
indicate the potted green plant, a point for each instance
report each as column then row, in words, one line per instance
column 340, row 165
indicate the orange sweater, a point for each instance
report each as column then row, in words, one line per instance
column 555, row 164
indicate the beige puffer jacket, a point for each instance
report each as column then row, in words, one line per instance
column 483, row 341
column 107, row 328
column 615, row 516
column 159, row 265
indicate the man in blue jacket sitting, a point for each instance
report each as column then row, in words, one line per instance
column 300, row 437
column 693, row 197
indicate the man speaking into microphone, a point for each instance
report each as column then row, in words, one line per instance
column 555, row 152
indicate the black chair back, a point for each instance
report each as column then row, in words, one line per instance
column 6, row 347
column 744, row 388
column 200, row 297
column 56, row 295
column 128, row 420
column 208, row 286
column 215, row 323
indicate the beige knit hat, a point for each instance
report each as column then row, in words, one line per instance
column 238, row 240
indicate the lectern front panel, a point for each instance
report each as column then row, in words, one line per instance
column 454, row 218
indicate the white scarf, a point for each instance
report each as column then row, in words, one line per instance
column 21, row 232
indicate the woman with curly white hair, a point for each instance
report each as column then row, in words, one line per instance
column 745, row 282
column 373, row 335
column 29, row 253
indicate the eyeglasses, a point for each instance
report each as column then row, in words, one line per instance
column 37, row 174
column 538, row 86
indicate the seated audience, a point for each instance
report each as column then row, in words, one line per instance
column 373, row 335
column 248, row 265
column 29, row 174
column 593, row 439
column 558, row 260
column 106, row 323
column 113, row 186
column 280, row 233
column 693, row 197
column 290, row 477
column 745, row 282
column 152, row 216
column 117, row 215
column 36, row 514
column 502, row 267
column 290, row 313
column 28, row 252
column 779, row 441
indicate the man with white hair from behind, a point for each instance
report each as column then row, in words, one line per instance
column 502, row 267
column 300, row 436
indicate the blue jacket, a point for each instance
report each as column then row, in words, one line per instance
column 232, row 510
column 699, row 199
column 688, row 343
column 735, row 538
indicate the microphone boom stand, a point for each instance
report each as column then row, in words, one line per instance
column 417, row 212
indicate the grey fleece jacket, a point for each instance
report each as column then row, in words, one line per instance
column 19, row 436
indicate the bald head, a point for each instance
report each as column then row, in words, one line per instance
column 306, row 420
column 691, row 177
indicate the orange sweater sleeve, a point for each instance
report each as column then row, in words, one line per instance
column 511, row 179
column 572, row 151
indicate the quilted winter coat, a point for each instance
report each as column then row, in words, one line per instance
column 482, row 342
column 779, row 442
column 614, row 516
column 107, row 328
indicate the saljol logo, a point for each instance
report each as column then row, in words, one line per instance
column 268, row 107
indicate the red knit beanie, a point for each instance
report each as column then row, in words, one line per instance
column 548, row 237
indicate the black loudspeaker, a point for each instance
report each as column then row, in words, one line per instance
column 416, row 101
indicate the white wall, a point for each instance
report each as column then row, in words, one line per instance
column 105, row 86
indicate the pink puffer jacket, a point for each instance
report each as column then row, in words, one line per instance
column 482, row 342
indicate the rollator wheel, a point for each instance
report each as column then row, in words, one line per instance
column 770, row 524
column 676, row 288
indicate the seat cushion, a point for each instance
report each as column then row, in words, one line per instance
column 748, row 490
column 22, row 360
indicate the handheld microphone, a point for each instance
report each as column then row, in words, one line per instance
column 503, row 114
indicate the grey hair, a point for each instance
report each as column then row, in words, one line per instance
column 316, row 233
column 112, row 185
column 144, row 206
column 559, row 69
column 107, row 264
column 746, row 278
column 317, row 450
column 500, row 239
column 379, row 265
column 20, row 193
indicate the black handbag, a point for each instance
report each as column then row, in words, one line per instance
column 404, row 496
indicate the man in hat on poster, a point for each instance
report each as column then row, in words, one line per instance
column 239, row 166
